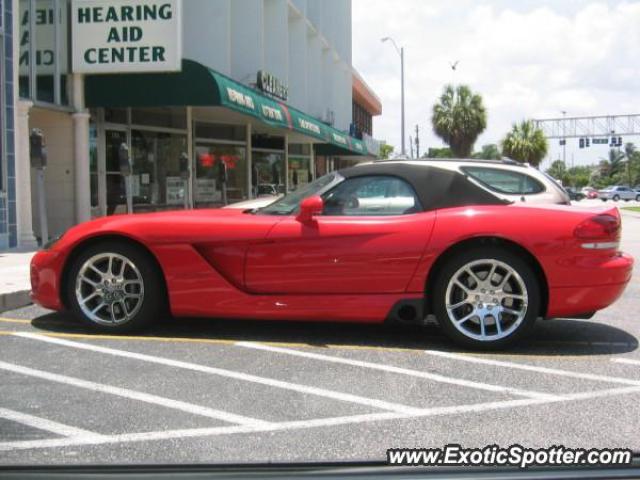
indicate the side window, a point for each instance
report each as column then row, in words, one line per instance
column 372, row 195
column 505, row 181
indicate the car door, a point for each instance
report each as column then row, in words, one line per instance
column 368, row 240
column 626, row 193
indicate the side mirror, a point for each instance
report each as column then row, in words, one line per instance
column 310, row 207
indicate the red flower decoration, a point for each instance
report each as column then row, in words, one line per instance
column 207, row 160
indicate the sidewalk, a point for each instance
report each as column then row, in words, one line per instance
column 14, row 279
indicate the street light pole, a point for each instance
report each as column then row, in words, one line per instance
column 401, row 53
column 402, row 95
column 564, row 138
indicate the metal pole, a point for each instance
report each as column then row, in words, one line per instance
column 186, row 193
column 129, row 186
column 402, row 96
column 42, row 208
column 564, row 138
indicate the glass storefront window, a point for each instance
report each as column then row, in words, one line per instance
column 43, row 59
column 156, row 181
column 299, row 172
column 115, row 115
column 235, row 133
column 208, row 186
column 268, row 173
column 300, row 149
column 93, row 163
column 160, row 117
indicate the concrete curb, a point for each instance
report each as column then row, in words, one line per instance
column 13, row 300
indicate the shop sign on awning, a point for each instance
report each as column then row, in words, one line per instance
column 197, row 85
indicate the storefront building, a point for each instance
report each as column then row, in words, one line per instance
column 8, row 229
column 216, row 101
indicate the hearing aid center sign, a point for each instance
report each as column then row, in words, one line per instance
column 126, row 36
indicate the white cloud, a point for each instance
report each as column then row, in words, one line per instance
column 528, row 59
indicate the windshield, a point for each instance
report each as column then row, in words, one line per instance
column 290, row 203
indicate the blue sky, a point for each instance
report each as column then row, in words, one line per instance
column 529, row 59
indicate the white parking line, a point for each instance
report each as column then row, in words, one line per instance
column 533, row 368
column 134, row 395
column 321, row 392
column 402, row 371
column 47, row 425
column 313, row 423
column 628, row 361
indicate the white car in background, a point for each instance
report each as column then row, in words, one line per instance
column 506, row 179
column 618, row 192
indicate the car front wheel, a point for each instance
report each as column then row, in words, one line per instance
column 115, row 287
column 486, row 298
column 616, row 198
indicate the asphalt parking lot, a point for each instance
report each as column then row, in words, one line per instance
column 215, row 391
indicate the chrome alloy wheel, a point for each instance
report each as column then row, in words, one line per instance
column 109, row 289
column 486, row 300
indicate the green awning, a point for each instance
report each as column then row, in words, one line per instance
column 196, row 85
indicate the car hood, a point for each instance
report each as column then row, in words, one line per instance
column 179, row 226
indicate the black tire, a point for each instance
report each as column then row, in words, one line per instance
column 616, row 198
column 154, row 300
column 505, row 256
column 638, row 198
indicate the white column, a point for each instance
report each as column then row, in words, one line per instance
column 312, row 161
column 249, row 157
column 23, row 177
column 286, row 163
column 191, row 155
column 81, row 151
column 82, row 168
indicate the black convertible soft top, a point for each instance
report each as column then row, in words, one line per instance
column 435, row 187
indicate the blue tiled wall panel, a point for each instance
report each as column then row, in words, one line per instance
column 11, row 165
column 8, row 204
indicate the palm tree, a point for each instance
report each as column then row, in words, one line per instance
column 525, row 143
column 459, row 118
column 629, row 153
column 613, row 164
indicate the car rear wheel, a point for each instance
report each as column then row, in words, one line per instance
column 115, row 287
column 486, row 298
column 637, row 198
column 616, row 198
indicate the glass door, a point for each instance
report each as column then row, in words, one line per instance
column 115, row 182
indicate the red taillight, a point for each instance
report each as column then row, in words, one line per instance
column 599, row 227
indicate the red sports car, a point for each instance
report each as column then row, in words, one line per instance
column 386, row 241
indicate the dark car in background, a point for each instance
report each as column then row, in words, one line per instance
column 575, row 195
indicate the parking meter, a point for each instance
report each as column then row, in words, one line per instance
column 125, row 169
column 38, row 151
column 38, row 157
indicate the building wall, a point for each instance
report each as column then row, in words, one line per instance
column 8, row 229
column 57, row 128
column 305, row 43
column 207, row 33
